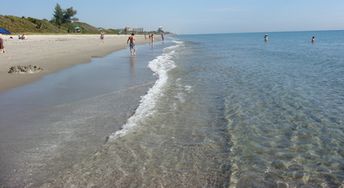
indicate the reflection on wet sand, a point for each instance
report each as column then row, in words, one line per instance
column 132, row 66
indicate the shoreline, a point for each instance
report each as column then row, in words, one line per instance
column 53, row 123
column 54, row 53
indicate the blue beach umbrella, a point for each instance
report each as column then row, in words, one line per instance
column 4, row 31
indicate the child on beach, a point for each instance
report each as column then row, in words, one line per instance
column 131, row 41
column 2, row 47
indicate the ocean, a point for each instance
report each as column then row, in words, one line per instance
column 229, row 110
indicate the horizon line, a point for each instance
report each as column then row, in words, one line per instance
column 251, row 32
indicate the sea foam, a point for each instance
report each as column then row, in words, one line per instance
column 160, row 66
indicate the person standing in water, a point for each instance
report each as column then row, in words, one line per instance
column 313, row 39
column 266, row 37
column 131, row 42
column 152, row 37
column 152, row 40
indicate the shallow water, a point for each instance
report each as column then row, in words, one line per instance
column 234, row 112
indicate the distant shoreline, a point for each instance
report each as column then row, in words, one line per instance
column 54, row 53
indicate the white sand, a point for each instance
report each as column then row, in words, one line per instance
column 53, row 53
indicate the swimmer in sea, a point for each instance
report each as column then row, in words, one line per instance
column 313, row 39
column 266, row 37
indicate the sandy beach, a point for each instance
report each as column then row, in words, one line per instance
column 53, row 53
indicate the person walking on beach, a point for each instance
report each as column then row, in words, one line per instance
column 162, row 36
column 2, row 47
column 131, row 42
column 313, row 39
column 102, row 35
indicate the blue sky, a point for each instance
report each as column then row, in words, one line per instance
column 194, row 16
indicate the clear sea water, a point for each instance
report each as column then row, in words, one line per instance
column 230, row 110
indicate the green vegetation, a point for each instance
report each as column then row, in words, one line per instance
column 18, row 25
column 28, row 25
column 63, row 16
column 63, row 22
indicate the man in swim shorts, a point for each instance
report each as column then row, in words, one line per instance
column 131, row 42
